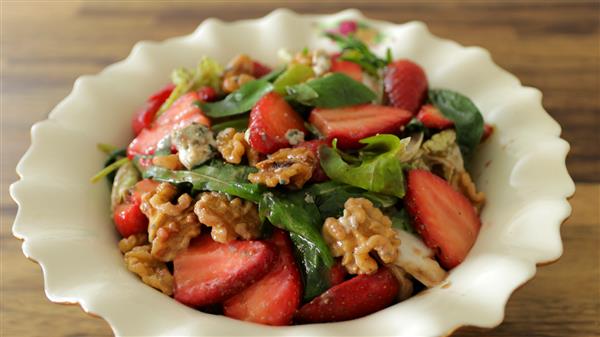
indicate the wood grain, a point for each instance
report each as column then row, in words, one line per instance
column 551, row 45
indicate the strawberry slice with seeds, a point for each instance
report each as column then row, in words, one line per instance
column 259, row 70
column 351, row 69
column 127, row 216
column 337, row 274
column 145, row 115
column 433, row 118
column 183, row 112
column 351, row 124
column 209, row 272
column 272, row 300
column 405, row 85
column 443, row 217
column 272, row 120
column 357, row 297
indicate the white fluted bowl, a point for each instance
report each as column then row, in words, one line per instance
column 66, row 227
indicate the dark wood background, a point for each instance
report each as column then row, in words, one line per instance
column 551, row 45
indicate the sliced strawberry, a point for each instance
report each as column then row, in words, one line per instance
column 129, row 219
column 259, row 70
column 487, row 131
column 270, row 119
column 207, row 94
column 351, row 124
column 209, row 272
column 433, row 118
column 405, row 85
column 444, row 218
column 127, row 216
column 145, row 115
column 314, row 145
column 183, row 112
column 357, row 297
column 351, row 69
column 337, row 274
column 272, row 300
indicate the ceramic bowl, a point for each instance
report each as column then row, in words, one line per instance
column 66, row 226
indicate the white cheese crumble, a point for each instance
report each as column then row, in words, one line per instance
column 195, row 144
column 321, row 62
column 294, row 136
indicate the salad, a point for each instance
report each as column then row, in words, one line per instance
column 324, row 189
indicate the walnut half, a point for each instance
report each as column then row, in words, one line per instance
column 171, row 226
column 232, row 146
column 229, row 219
column 152, row 271
column 361, row 230
column 289, row 166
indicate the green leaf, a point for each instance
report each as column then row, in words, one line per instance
column 207, row 73
column 127, row 175
column 108, row 170
column 314, row 271
column 330, row 197
column 240, row 124
column 377, row 166
column 400, row 219
column 467, row 119
column 239, row 101
column 214, row 176
column 331, row 91
column 291, row 212
column 294, row 74
column 354, row 50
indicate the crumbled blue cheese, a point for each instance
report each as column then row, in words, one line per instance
column 321, row 62
column 294, row 136
column 195, row 144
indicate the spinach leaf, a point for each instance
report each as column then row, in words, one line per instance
column 467, row 119
column 331, row 91
column 400, row 219
column 377, row 167
column 330, row 197
column 294, row 74
column 354, row 50
column 294, row 214
column 240, row 124
column 214, row 176
column 239, row 101
column 314, row 271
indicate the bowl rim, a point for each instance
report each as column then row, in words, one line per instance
column 567, row 190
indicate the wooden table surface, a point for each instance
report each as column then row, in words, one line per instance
column 551, row 45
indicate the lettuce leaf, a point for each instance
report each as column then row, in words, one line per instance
column 377, row 167
column 207, row 73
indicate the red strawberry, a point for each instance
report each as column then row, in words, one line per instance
column 259, row 70
column 351, row 69
column 207, row 94
column 314, row 145
column 433, row 118
column 129, row 219
column 357, row 297
column 270, row 119
column 145, row 115
column 351, row 124
column 209, row 272
column 405, row 85
column 487, row 131
column 337, row 274
column 127, row 216
column 272, row 300
column 183, row 112
column 444, row 218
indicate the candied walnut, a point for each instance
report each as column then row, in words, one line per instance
column 152, row 271
column 232, row 145
column 229, row 219
column 361, row 230
column 463, row 183
column 170, row 162
column 238, row 72
column 232, row 83
column 132, row 241
column 405, row 284
column 171, row 226
column 289, row 166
